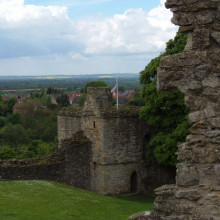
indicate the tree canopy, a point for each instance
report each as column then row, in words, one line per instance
column 165, row 111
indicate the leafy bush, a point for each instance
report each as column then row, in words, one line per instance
column 165, row 111
column 139, row 101
column 7, row 153
column 13, row 135
column 14, row 118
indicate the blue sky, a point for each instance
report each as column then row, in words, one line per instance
column 79, row 8
column 49, row 37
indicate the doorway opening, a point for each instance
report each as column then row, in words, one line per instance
column 134, row 182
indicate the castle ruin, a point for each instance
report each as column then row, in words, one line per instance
column 117, row 147
column 101, row 149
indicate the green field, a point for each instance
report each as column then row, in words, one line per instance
column 43, row 200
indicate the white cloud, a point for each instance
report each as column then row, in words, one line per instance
column 160, row 17
column 134, row 31
column 37, row 31
column 77, row 3
column 77, row 56
column 15, row 12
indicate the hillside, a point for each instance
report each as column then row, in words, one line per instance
column 34, row 200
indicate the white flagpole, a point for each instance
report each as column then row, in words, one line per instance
column 117, row 90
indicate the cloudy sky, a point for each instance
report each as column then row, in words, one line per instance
column 49, row 37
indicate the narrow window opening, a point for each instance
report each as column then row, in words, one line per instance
column 93, row 124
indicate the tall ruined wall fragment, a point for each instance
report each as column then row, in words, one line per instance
column 196, row 73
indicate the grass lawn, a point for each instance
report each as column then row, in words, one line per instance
column 43, row 200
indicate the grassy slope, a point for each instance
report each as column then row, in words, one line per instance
column 43, row 200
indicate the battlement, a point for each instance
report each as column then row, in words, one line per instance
column 99, row 101
column 97, row 91
column 97, row 98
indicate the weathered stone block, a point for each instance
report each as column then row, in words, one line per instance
column 196, row 116
column 182, row 19
column 202, row 71
column 216, row 36
column 218, row 13
column 173, row 3
column 204, row 17
column 186, row 29
column 190, row 194
column 187, row 175
column 140, row 216
column 201, row 38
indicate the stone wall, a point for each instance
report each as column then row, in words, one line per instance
column 69, row 123
column 115, row 179
column 77, row 158
column 123, row 140
column 118, row 138
column 48, row 168
column 196, row 73
column 155, row 175
column 70, row 165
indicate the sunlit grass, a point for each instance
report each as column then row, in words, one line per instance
column 41, row 200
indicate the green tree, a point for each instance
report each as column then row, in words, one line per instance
column 138, row 101
column 14, row 118
column 2, row 121
column 165, row 111
column 10, row 104
column 51, row 90
column 63, row 100
column 13, row 135
column 2, row 109
column 7, row 153
column 82, row 99
column 46, row 100
column 38, row 148
column 121, row 88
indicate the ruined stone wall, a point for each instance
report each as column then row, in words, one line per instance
column 117, row 143
column 155, row 175
column 123, row 140
column 70, row 165
column 196, row 73
column 122, row 152
column 115, row 179
column 46, row 168
column 77, row 169
column 69, row 123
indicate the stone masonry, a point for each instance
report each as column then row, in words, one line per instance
column 196, row 73
column 117, row 150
